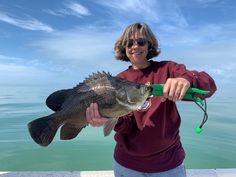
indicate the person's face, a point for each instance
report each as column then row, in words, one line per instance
column 137, row 49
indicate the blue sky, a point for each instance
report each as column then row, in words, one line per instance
column 61, row 42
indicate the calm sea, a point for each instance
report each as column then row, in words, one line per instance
column 215, row 147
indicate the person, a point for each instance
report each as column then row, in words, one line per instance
column 147, row 140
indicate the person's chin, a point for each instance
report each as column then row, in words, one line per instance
column 138, row 58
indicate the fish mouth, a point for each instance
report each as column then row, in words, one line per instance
column 147, row 89
column 145, row 93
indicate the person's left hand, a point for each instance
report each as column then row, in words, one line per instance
column 93, row 116
column 175, row 89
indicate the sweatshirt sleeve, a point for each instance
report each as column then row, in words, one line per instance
column 201, row 80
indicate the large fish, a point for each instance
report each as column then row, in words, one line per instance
column 115, row 97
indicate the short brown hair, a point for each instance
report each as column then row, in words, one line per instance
column 154, row 48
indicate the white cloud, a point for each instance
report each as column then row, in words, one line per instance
column 150, row 11
column 19, row 71
column 30, row 23
column 76, row 45
column 124, row 5
column 78, row 8
column 20, row 74
column 91, row 48
column 22, row 71
column 51, row 12
column 70, row 8
column 88, row 48
column 174, row 36
column 22, row 62
column 216, row 58
column 206, row 1
column 132, row 10
column 4, row 58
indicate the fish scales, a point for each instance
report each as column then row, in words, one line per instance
column 115, row 97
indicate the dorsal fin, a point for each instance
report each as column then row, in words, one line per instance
column 95, row 76
column 92, row 80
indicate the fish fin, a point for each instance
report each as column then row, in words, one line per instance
column 43, row 130
column 109, row 126
column 96, row 77
column 57, row 98
column 82, row 87
column 68, row 131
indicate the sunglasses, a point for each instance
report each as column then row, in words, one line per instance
column 140, row 41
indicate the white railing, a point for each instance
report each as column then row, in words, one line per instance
column 228, row 172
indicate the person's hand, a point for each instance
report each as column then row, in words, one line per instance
column 175, row 89
column 93, row 116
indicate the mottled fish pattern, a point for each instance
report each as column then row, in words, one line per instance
column 115, row 97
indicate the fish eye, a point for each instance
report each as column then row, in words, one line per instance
column 147, row 88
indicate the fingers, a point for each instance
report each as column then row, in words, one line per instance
column 183, row 90
column 179, row 92
column 88, row 114
column 175, row 89
column 96, row 114
column 93, row 116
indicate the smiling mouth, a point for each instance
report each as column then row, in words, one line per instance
column 137, row 53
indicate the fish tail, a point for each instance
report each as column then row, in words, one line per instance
column 43, row 130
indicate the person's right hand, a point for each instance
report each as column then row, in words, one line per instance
column 93, row 116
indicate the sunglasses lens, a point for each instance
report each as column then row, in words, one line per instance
column 140, row 41
column 130, row 43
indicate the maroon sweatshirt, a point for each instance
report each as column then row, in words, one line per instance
column 148, row 140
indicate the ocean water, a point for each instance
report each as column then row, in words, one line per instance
column 215, row 147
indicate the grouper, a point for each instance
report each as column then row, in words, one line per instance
column 115, row 97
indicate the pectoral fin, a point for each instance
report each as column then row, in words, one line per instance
column 109, row 126
column 69, row 131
